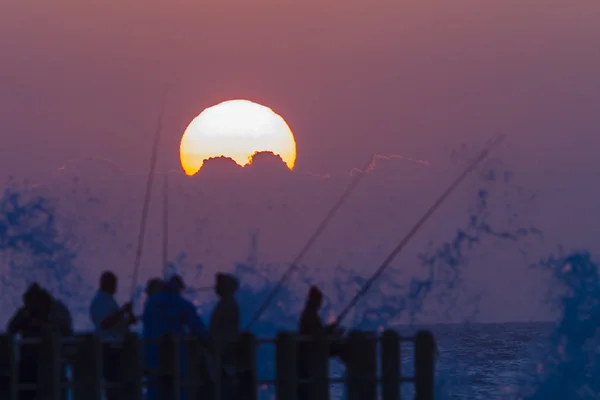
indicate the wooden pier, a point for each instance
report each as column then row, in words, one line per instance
column 373, row 368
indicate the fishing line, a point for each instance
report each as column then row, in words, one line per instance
column 417, row 226
column 165, row 243
column 153, row 158
column 309, row 243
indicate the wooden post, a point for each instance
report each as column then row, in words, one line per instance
column 131, row 367
column 425, row 349
column 362, row 366
column 49, row 382
column 247, row 389
column 390, row 365
column 169, row 385
column 196, row 377
column 321, row 346
column 286, row 374
column 9, row 370
column 87, row 368
column 217, row 366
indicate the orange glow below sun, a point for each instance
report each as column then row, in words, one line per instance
column 236, row 129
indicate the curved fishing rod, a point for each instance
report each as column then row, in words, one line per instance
column 309, row 243
column 416, row 228
column 165, row 243
column 142, row 232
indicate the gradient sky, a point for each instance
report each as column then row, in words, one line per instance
column 414, row 78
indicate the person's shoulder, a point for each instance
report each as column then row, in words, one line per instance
column 103, row 300
column 186, row 304
column 161, row 296
column 232, row 302
column 96, row 299
column 159, row 299
column 61, row 305
column 151, row 300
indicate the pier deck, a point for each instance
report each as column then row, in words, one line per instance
column 373, row 368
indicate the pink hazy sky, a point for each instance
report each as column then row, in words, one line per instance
column 416, row 78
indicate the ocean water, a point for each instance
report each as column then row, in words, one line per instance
column 476, row 361
column 489, row 361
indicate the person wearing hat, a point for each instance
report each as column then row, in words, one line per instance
column 40, row 313
column 154, row 286
column 225, row 319
column 312, row 327
column 30, row 321
column 224, row 327
column 168, row 312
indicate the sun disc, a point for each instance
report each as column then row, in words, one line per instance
column 236, row 129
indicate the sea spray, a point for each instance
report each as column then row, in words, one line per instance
column 394, row 300
column 31, row 240
column 571, row 370
column 34, row 247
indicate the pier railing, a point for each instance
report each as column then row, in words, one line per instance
column 373, row 368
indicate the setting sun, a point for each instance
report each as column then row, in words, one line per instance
column 236, row 129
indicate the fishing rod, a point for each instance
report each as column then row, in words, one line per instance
column 310, row 242
column 416, row 228
column 165, row 243
column 146, row 204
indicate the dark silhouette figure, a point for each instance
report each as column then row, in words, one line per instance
column 60, row 320
column 224, row 327
column 311, row 327
column 60, row 317
column 154, row 286
column 112, row 325
column 30, row 322
column 168, row 312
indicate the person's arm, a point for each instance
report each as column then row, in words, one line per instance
column 69, row 331
column 194, row 322
column 17, row 321
column 214, row 324
column 122, row 315
column 236, row 319
column 65, row 320
column 106, row 313
column 229, row 324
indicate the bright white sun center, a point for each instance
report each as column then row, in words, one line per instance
column 236, row 129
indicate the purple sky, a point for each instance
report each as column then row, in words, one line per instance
column 416, row 79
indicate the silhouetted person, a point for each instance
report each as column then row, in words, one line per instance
column 59, row 320
column 60, row 317
column 112, row 325
column 168, row 312
column 29, row 322
column 312, row 327
column 154, row 286
column 224, row 327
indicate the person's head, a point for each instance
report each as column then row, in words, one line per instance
column 225, row 285
column 175, row 284
column 29, row 297
column 315, row 298
column 154, row 286
column 108, row 282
